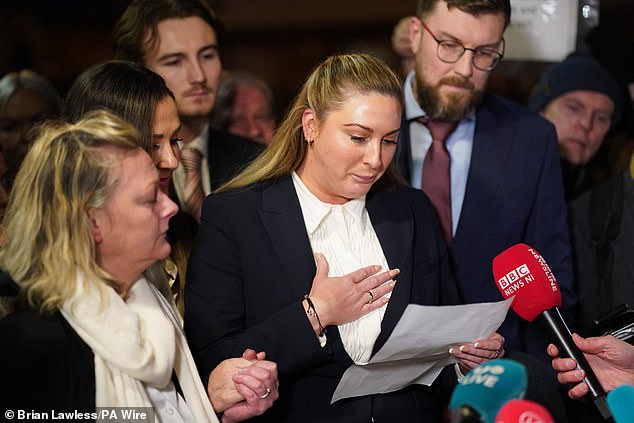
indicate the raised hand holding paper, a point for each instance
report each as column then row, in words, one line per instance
column 412, row 356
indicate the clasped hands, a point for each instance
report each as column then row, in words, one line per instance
column 243, row 387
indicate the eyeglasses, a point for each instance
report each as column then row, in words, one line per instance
column 450, row 51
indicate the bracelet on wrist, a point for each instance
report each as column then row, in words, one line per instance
column 310, row 310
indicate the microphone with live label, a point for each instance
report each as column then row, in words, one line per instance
column 485, row 389
column 520, row 271
column 523, row 411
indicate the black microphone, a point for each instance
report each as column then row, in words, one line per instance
column 520, row 271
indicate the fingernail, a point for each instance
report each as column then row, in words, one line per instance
column 450, row 350
column 461, row 348
column 477, row 345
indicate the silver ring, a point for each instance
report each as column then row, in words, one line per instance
column 268, row 391
column 371, row 297
column 497, row 353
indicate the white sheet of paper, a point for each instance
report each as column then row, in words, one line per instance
column 418, row 348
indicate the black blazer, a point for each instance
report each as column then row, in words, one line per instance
column 596, row 296
column 249, row 269
column 228, row 155
column 44, row 364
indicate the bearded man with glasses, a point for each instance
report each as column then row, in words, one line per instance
column 490, row 167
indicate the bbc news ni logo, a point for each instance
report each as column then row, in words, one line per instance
column 515, row 279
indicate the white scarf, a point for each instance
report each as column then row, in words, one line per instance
column 136, row 343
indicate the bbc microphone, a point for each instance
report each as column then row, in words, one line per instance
column 521, row 272
column 621, row 404
column 485, row 389
column 523, row 411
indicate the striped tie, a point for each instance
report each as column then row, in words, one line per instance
column 193, row 193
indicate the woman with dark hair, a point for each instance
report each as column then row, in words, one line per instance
column 141, row 97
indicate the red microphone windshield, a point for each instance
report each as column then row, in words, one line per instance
column 523, row 411
column 522, row 272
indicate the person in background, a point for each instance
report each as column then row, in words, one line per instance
column 141, row 97
column 493, row 175
column 26, row 99
column 613, row 46
column 298, row 254
column 180, row 40
column 602, row 229
column 402, row 45
column 584, row 101
column 244, row 107
column 611, row 359
column 87, row 330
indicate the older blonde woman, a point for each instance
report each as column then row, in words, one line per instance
column 86, row 218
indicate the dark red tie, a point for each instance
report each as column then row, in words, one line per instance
column 436, row 177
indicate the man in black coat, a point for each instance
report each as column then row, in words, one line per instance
column 180, row 41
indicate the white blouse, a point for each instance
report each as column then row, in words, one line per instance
column 345, row 236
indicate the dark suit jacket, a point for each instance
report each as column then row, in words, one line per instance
column 513, row 195
column 596, row 297
column 250, row 267
column 228, row 154
column 44, row 364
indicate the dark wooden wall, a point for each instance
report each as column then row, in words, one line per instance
column 280, row 40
